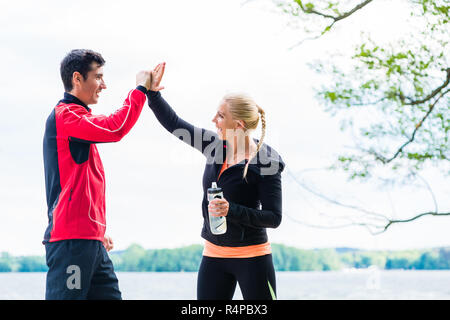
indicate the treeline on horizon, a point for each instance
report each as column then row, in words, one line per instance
column 137, row 259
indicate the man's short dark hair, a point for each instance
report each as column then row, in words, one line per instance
column 78, row 60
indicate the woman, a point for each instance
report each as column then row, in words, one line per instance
column 249, row 173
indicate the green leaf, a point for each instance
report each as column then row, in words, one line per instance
column 309, row 6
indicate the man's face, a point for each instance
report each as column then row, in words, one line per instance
column 88, row 90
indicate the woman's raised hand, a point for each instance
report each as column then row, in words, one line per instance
column 157, row 75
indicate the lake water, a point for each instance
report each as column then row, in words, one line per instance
column 350, row 284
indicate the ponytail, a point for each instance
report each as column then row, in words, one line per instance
column 263, row 133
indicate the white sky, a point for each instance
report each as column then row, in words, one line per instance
column 211, row 47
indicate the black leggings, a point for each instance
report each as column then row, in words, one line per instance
column 217, row 278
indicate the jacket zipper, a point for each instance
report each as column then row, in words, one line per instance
column 70, row 195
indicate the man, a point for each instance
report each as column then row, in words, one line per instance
column 79, row 265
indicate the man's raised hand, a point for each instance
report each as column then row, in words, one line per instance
column 144, row 78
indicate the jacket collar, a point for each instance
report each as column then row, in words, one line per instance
column 266, row 161
column 69, row 98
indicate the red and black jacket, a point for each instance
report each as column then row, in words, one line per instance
column 74, row 175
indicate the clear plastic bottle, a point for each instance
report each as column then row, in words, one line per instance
column 218, row 225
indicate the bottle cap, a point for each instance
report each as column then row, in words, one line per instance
column 214, row 188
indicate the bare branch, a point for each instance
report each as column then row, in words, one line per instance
column 371, row 213
column 391, row 222
column 243, row 3
column 373, row 228
column 341, row 226
column 306, row 39
column 430, row 190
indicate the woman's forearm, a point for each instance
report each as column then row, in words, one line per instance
column 254, row 217
column 269, row 216
column 197, row 138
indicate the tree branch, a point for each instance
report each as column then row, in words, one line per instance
column 341, row 226
column 391, row 222
column 427, row 185
column 385, row 160
column 334, row 18
column 373, row 228
column 371, row 213
column 324, row 15
column 432, row 94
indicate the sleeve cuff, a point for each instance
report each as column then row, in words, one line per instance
column 142, row 89
column 153, row 94
column 232, row 210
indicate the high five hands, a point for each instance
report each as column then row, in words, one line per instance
column 151, row 79
column 157, row 75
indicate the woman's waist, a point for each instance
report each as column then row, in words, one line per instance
column 216, row 251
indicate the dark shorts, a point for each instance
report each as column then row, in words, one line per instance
column 217, row 278
column 80, row 269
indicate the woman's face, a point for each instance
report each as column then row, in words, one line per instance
column 224, row 121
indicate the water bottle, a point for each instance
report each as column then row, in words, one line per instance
column 218, row 225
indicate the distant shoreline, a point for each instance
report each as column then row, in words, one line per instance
column 343, row 271
column 138, row 259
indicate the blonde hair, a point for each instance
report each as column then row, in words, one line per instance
column 244, row 108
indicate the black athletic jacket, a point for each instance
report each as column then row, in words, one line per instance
column 255, row 202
